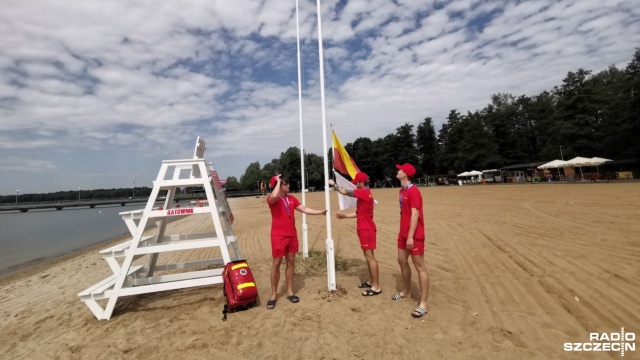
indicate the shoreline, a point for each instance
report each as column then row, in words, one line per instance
column 15, row 271
column 32, row 267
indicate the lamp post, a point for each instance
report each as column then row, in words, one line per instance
column 79, row 188
column 133, row 192
column 17, row 192
column 561, row 156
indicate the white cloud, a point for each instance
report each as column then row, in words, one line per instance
column 26, row 165
column 138, row 82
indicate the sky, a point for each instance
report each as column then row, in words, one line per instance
column 95, row 94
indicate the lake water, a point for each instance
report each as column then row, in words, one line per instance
column 28, row 237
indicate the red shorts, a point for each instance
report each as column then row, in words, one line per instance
column 367, row 239
column 281, row 245
column 418, row 245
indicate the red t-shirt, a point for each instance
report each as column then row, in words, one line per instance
column 409, row 198
column 283, row 219
column 364, row 209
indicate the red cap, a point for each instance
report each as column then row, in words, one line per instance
column 360, row 177
column 408, row 169
column 273, row 181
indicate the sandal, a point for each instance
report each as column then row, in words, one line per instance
column 370, row 292
column 293, row 298
column 364, row 285
column 419, row 312
column 397, row 297
column 271, row 304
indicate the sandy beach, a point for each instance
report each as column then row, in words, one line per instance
column 516, row 271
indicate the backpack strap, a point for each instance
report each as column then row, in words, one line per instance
column 224, row 312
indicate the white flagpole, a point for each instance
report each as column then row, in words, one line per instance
column 305, row 241
column 331, row 263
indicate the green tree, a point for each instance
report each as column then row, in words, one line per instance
column 362, row 152
column 631, row 119
column 404, row 146
column 478, row 149
column 502, row 117
column 449, row 140
column 290, row 166
column 542, row 110
column 576, row 120
column 270, row 169
column 427, row 145
column 314, row 168
column 232, row 184
column 250, row 180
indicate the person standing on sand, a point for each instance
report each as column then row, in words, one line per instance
column 366, row 228
column 411, row 238
column 284, row 236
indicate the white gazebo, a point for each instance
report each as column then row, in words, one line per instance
column 475, row 173
column 555, row 164
column 582, row 161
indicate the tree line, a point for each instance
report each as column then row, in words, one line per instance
column 587, row 115
column 75, row 195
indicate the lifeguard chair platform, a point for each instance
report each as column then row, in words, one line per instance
column 140, row 278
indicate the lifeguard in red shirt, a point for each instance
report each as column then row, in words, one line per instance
column 284, row 236
column 411, row 238
column 366, row 228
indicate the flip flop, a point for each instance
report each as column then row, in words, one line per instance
column 271, row 304
column 293, row 298
column 364, row 285
column 370, row 292
column 397, row 297
column 419, row 312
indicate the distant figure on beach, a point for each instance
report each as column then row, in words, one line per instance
column 411, row 239
column 365, row 227
column 284, row 236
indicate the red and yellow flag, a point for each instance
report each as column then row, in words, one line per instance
column 341, row 159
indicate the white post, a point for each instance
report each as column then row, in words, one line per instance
column 331, row 265
column 79, row 188
column 17, row 192
column 305, row 240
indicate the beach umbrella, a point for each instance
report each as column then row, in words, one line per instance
column 599, row 161
column 475, row 173
column 580, row 162
column 553, row 164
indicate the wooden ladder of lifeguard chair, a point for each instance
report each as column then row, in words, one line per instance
column 128, row 279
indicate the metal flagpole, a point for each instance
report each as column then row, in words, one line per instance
column 331, row 264
column 305, row 241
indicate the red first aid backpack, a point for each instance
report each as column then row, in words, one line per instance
column 240, row 288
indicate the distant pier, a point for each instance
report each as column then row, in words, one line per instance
column 59, row 205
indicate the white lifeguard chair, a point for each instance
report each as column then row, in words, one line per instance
column 129, row 279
